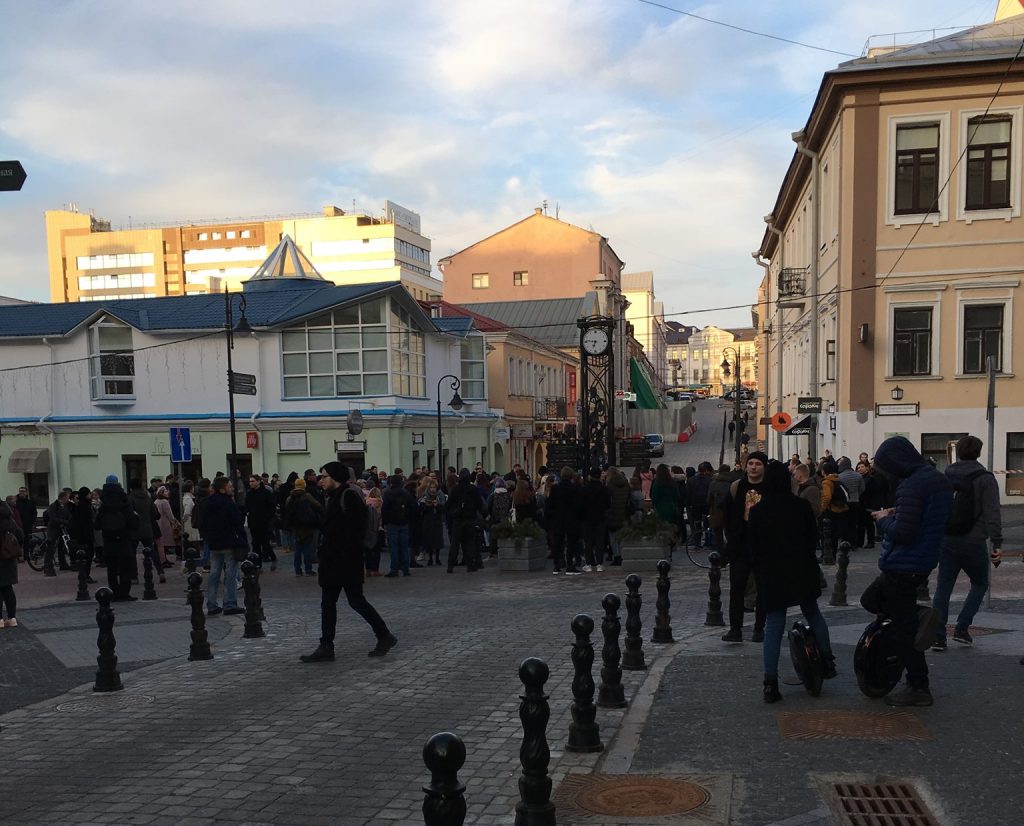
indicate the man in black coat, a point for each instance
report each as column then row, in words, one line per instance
column 26, row 510
column 119, row 525
column 596, row 502
column 341, row 563
column 744, row 494
column 260, row 507
column 465, row 506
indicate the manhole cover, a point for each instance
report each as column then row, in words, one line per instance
column 977, row 632
column 852, row 725
column 881, row 804
column 107, row 702
column 630, row 796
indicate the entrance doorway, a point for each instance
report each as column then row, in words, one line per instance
column 134, row 467
column 243, row 464
column 355, row 459
column 189, row 470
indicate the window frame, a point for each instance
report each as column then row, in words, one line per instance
column 520, row 278
column 480, row 281
column 913, row 373
column 987, row 161
column 1016, row 115
column 1005, row 299
column 915, row 154
column 467, row 361
column 830, row 359
column 99, row 379
column 941, row 212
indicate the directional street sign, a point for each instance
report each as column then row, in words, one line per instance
column 243, row 378
column 12, row 176
column 181, row 444
column 242, row 384
column 244, row 390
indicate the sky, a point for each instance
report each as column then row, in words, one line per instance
column 664, row 133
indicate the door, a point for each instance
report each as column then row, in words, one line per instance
column 134, row 467
column 189, row 470
column 243, row 464
column 355, row 459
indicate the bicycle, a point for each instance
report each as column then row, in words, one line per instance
column 34, row 551
column 49, row 551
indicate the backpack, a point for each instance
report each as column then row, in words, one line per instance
column 723, row 493
column 963, row 515
column 839, row 495
column 114, row 521
column 195, row 518
column 468, row 508
column 10, row 548
column 501, row 505
column 301, row 513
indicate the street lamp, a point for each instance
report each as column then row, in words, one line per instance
column 230, row 328
column 897, row 393
column 736, row 394
column 455, row 404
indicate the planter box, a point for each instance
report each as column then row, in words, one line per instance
column 533, row 556
column 641, row 556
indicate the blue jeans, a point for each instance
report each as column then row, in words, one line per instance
column 222, row 562
column 972, row 558
column 775, row 625
column 204, row 560
column 304, row 553
column 398, row 545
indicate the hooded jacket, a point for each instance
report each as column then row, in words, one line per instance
column 988, row 523
column 618, row 499
column 912, row 537
column 851, row 480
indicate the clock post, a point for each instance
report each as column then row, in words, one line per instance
column 597, row 390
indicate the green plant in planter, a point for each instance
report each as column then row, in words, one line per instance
column 518, row 532
column 649, row 526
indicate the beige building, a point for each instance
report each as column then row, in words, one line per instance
column 893, row 251
column 90, row 261
column 700, row 359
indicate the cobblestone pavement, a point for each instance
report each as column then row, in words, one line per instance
column 255, row 737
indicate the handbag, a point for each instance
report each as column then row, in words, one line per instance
column 10, row 548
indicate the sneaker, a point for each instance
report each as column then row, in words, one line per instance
column 912, row 697
column 298, row 574
column 587, row 569
column 11, row 623
column 963, row 637
column 212, row 612
column 928, row 622
column 829, row 667
column 939, row 645
column 233, row 611
column 599, row 568
column 556, row 572
column 758, row 635
column 322, row 654
column 391, row 574
column 573, row 572
column 733, row 635
column 383, row 646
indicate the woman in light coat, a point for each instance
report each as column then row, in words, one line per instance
column 165, row 540
column 189, row 535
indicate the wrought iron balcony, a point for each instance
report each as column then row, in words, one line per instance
column 793, row 282
column 550, row 409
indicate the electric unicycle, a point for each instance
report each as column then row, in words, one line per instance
column 875, row 660
column 807, row 659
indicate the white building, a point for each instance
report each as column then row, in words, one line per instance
column 647, row 315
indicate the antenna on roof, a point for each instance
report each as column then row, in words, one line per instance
column 556, row 210
column 544, row 204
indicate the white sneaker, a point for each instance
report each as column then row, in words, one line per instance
column 557, row 571
column 573, row 573
column 587, row 569
column 11, row 623
column 599, row 568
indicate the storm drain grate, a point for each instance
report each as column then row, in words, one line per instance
column 881, row 804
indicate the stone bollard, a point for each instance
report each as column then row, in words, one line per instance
column 633, row 658
column 584, row 732
column 253, row 628
column 107, row 678
column 534, row 807
column 200, row 648
column 610, row 694
column 445, row 801
column 83, row 576
column 257, row 562
column 839, row 587
column 148, row 591
column 662, row 619
column 828, row 553
column 714, row 616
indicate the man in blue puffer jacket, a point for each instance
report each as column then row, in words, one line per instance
column 912, row 534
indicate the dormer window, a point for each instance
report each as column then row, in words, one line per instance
column 111, row 360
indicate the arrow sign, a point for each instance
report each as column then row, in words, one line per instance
column 242, row 378
column 243, row 390
column 12, row 176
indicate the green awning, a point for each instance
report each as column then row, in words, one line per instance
column 646, row 398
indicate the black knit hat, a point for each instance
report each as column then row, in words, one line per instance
column 337, row 471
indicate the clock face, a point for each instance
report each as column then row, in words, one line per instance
column 595, row 341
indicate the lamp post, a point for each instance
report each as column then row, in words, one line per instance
column 736, row 394
column 455, row 404
column 230, row 328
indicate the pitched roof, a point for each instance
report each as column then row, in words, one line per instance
column 537, row 214
column 638, row 282
column 454, row 326
column 550, row 321
column 448, row 310
column 678, row 333
column 743, row 333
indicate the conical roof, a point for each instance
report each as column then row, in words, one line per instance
column 287, row 261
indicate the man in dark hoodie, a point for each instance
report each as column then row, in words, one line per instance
column 965, row 546
column 911, row 535
column 596, row 502
column 465, row 506
column 225, row 534
column 118, row 522
column 744, row 494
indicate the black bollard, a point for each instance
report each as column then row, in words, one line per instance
column 257, row 562
column 534, row 807
column 610, row 693
column 633, row 657
column 107, row 678
column 200, row 648
column 839, row 587
column 148, row 591
column 662, row 619
column 584, row 732
column 191, row 558
column 253, row 628
column 828, row 552
column 714, row 616
column 83, row 576
column 445, row 801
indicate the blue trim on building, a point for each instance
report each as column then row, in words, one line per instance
column 247, row 417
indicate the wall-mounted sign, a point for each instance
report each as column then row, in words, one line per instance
column 252, row 439
column 522, row 431
column 502, row 434
column 403, row 217
column 810, row 404
column 350, row 447
column 292, row 441
column 909, row 409
column 417, row 438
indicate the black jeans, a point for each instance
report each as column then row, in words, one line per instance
column 261, row 543
column 463, row 535
column 865, row 529
column 739, row 572
column 9, row 600
column 357, row 601
column 894, row 594
column 120, row 554
column 595, row 536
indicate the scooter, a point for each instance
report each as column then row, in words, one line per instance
column 807, row 659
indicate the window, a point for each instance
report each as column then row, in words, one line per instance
column 1015, row 461
column 203, row 236
column 512, row 387
column 988, row 162
column 481, row 281
column 937, row 446
column 983, row 337
column 111, row 362
column 345, row 353
column 408, row 354
column 830, row 360
column 917, row 168
column 245, row 234
column 230, row 234
column 473, row 358
column 912, row 342
column 520, row 279
column 216, row 236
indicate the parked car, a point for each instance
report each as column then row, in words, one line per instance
column 700, row 394
column 685, row 397
column 655, row 444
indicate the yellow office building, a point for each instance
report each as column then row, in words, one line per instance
column 89, row 261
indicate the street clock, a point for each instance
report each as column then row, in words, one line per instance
column 596, row 341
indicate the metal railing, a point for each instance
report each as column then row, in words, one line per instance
column 550, row 408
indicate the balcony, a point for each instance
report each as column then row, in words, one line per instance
column 792, row 287
column 550, row 409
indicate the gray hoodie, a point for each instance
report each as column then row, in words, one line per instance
column 989, row 523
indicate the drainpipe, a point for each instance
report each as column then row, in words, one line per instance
column 770, row 221
column 41, row 425
column 801, row 147
column 766, row 266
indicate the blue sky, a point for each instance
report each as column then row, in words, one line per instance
column 666, row 134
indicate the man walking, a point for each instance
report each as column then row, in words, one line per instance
column 57, row 526
column 225, row 534
column 975, row 518
column 119, row 524
column 911, row 534
column 596, row 501
column 853, row 484
column 341, row 563
column 744, row 494
column 465, row 505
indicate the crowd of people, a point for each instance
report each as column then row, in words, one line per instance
column 771, row 521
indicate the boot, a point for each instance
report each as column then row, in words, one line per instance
column 733, row 635
column 913, row 696
column 829, row 661
column 384, row 644
column 323, row 653
column 771, row 689
column 758, row 635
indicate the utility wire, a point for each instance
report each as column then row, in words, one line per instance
column 744, row 30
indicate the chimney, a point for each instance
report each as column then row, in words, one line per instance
column 537, row 211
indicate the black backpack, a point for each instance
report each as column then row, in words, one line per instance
column 839, row 496
column 964, row 514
